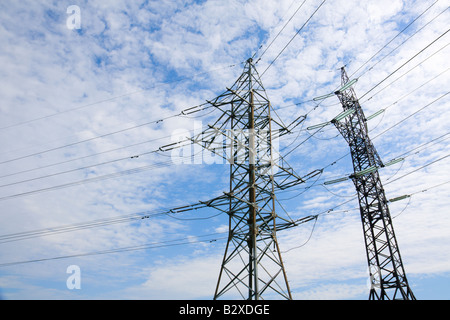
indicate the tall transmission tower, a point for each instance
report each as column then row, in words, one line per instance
column 252, row 266
column 388, row 279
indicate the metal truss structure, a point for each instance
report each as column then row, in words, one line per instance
column 252, row 266
column 388, row 279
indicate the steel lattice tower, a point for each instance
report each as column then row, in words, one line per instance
column 388, row 279
column 252, row 265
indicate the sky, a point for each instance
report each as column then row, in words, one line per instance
column 91, row 90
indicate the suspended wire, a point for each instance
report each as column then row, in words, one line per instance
column 310, row 100
column 430, row 188
column 411, row 92
column 396, row 172
column 195, row 219
column 421, row 191
column 292, row 39
column 422, row 145
column 419, row 64
column 404, row 41
column 148, row 167
column 407, row 205
column 282, row 29
column 133, row 156
column 335, row 194
column 53, row 149
column 102, row 136
column 168, row 243
column 155, row 245
column 147, row 215
column 394, row 80
column 84, row 157
column 309, row 238
column 162, row 164
column 404, row 96
column 78, row 169
column 118, row 97
column 129, row 157
column 214, row 110
column 90, row 180
column 181, row 114
column 332, row 210
column 411, row 115
column 395, row 37
column 297, row 33
column 371, row 58
column 305, row 188
column 135, row 217
column 418, row 169
column 405, row 63
column 387, row 86
column 404, row 155
column 80, row 226
column 152, row 245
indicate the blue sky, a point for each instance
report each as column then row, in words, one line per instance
column 72, row 99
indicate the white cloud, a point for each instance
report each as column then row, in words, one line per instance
column 112, row 74
column 178, row 279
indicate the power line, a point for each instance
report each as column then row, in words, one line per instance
column 418, row 169
column 78, row 226
column 184, row 112
column 309, row 238
column 201, row 106
column 292, row 39
column 396, row 36
column 424, row 144
column 371, row 58
column 83, row 157
column 337, row 103
column 78, row 169
column 403, row 155
column 411, row 115
column 417, row 65
column 379, row 61
column 117, row 97
column 411, row 92
column 405, row 63
column 404, row 119
column 153, row 166
column 276, row 37
column 155, row 245
column 106, row 222
column 169, row 243
column 89, row 180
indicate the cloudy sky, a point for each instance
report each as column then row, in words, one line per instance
column 84, row 108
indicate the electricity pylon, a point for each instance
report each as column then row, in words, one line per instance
column 252, row 266
column 388, row 279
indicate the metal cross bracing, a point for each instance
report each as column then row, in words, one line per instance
column 387, row 274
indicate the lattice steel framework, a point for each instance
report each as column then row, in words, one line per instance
column 388, row 279
column 252, row 267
